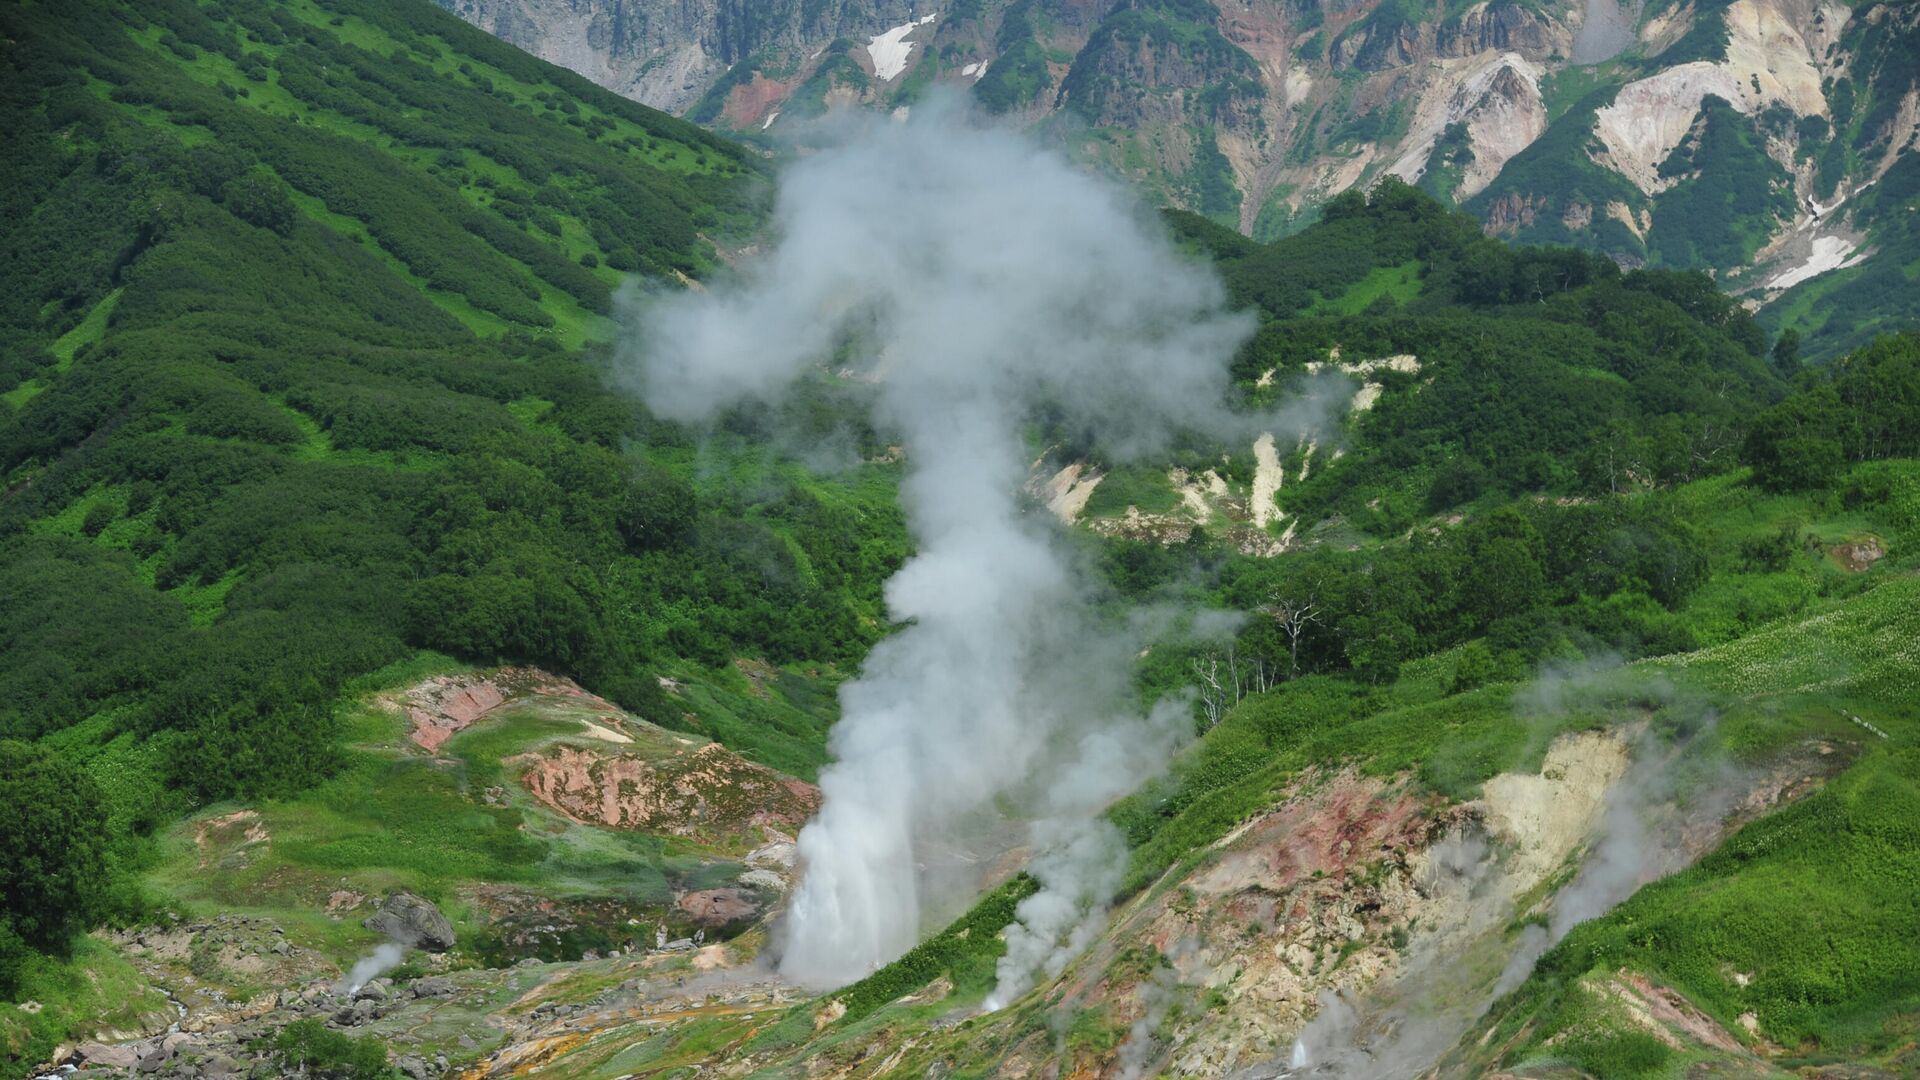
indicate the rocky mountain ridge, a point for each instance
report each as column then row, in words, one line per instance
column 1727, row 136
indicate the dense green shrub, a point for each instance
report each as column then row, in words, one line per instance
column 53, row 866
column 309, row 1048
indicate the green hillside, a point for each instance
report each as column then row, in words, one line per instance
column 305, row 321
column 302, row 375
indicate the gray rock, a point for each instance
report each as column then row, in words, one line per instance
column 373, row 991
column 415, row 1067
column 414, row 920
column 431, row 986
column 357, row 1013
column 100, row 1055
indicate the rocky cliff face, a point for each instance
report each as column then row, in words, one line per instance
column 1566, row 121
column 668, row 54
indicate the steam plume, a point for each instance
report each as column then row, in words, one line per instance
column 972, row 278
column 1675, row 789
column 384, row 957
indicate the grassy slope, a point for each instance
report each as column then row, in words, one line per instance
column 446, row 194
column 1842, row 647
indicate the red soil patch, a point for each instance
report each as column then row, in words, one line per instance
column 705, row 791
column 228, row 833
column 1347, row 824
column 749, row 103
column 445, row 705
column 718, row 907
column 1676, row 1012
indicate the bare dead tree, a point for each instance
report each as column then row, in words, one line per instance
column 1294, row 616
column 1213, row 694
column 1263, row 680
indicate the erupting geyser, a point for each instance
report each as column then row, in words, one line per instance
column 973, row 278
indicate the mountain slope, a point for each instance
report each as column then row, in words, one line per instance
column 300, row 382
column 307, row 430
column 1737, row 137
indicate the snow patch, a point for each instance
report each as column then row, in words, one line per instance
column 1829, row 253
column 1298, row 85
column 771, row 117
column 890, row 50
column 975, row 70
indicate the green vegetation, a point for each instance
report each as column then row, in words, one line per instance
column 1397, row 284
column 309, row 1048
column 1178, row 31
column 838, row 69
column 1735, row 596
column 307, row 397
column 1810, row 907
column 1557, row 172
column 1542, row 371
column 1839, row 311
column 261, row 451
column 1729, row 196
column 1864, row 407
column 1378, row 32
column 1018, row 75
column 53, row 866
column 1136, row 486
column 1447, row 162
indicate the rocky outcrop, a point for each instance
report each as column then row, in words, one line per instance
column 1146, row 66
column 1513, row 212
column 1379, row 44
column 1501, row 26
column 412, row 920
column 669, row 54
column 1255, row 111
column 699, row 791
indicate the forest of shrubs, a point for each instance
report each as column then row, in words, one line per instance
column 252, row 452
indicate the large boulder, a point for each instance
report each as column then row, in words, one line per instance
column 98, row 1055
column 432, row 986
column 414, row 920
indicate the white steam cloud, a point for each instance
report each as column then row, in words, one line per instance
column 971, row 278
column 384, row 957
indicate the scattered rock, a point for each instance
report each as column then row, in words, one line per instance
column 1858, row 556
column 357, row 1013
column 100, row 1055
column 432, row 986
